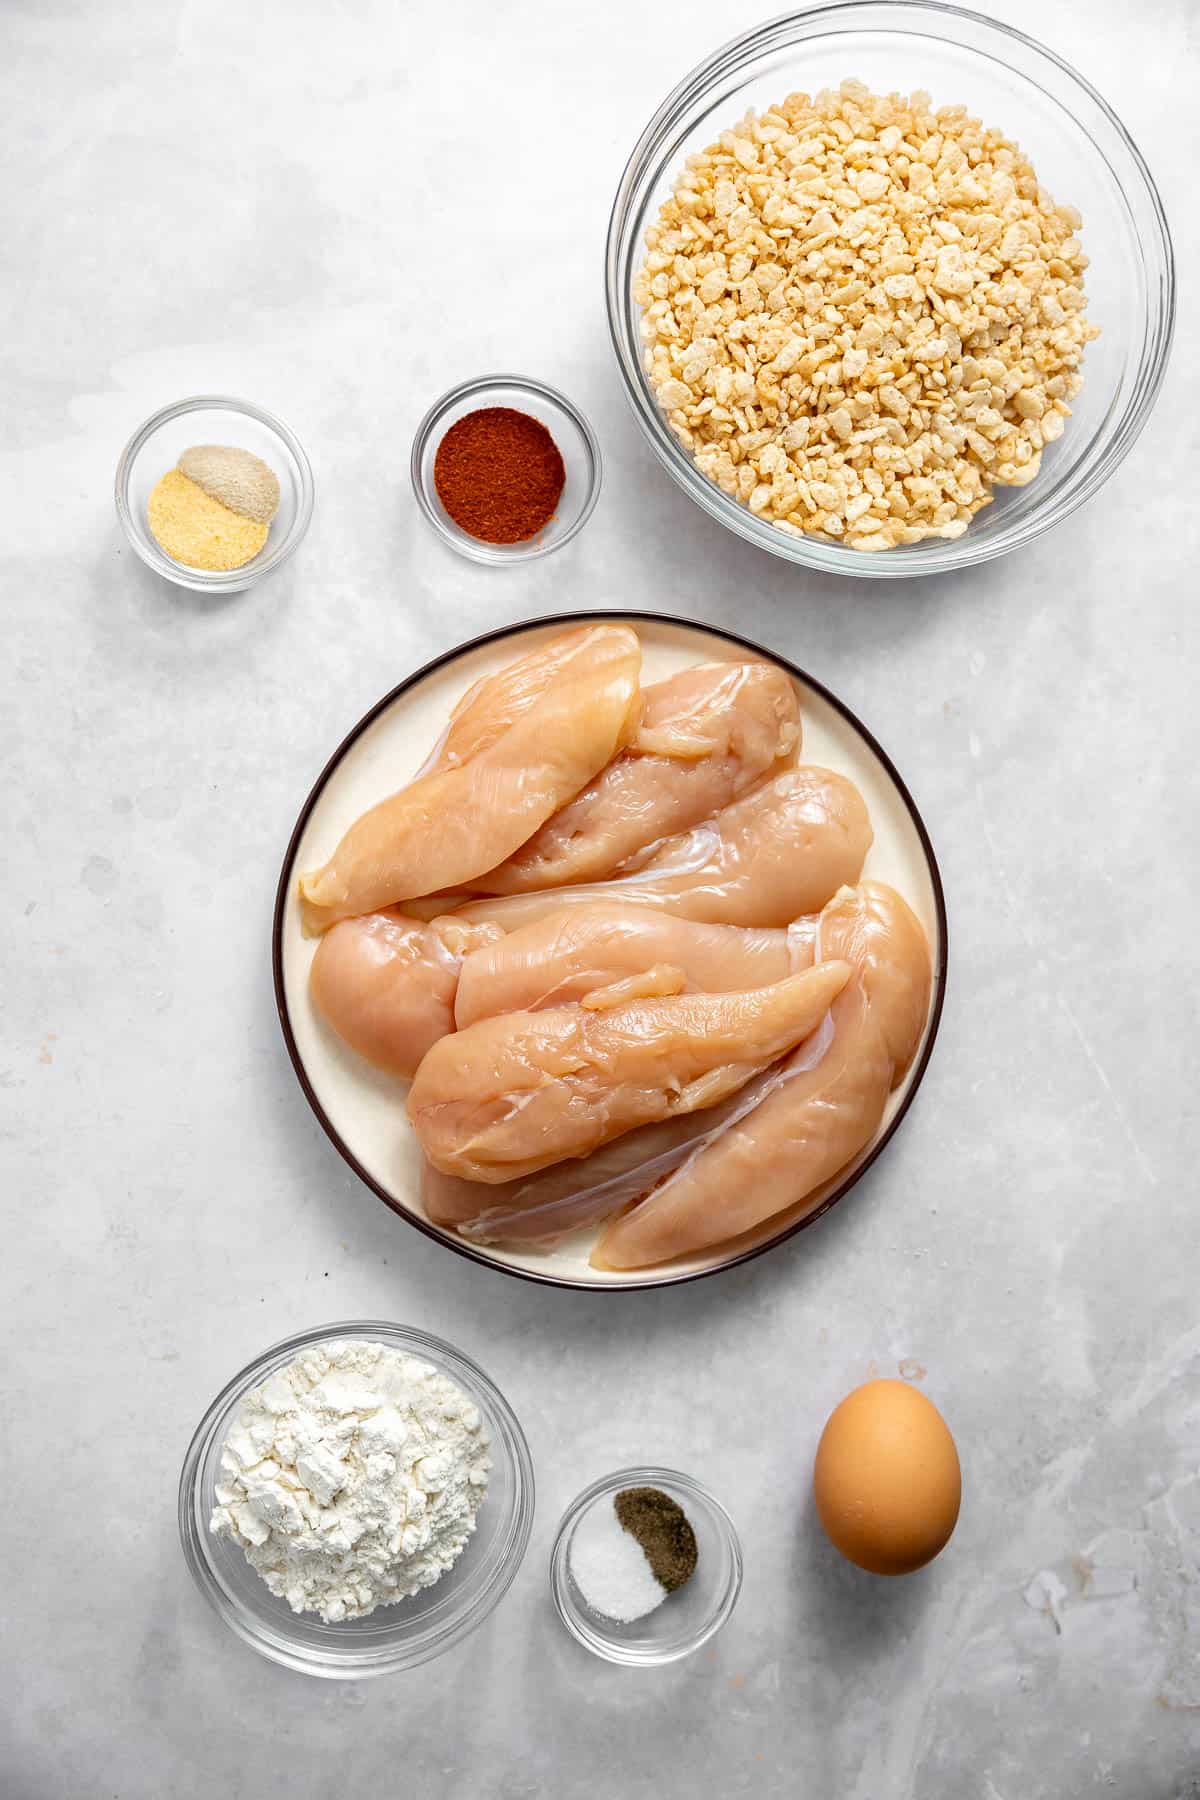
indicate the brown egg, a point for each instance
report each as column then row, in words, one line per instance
column 886, row 1479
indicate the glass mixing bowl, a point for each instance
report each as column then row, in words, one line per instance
column 392, row 1637
column 687, row 1618
column 1081, row 152
column 577, row 446
column 157, row 446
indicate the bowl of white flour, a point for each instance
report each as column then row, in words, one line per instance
column 356, row 1500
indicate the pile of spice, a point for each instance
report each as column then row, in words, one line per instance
column 351, row 1478
column 499, row 474
column 213, row 510
column 626, row 1558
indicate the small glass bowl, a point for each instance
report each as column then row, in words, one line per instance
column 688, row 1617
column 213, row 419
column 1080, row 150
column 392, row 1637
column 567, row 426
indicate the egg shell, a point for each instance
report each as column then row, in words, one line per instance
column 887, row 1481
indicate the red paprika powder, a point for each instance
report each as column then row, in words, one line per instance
column 499, row 474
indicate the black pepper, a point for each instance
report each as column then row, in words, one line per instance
column 664, row 1531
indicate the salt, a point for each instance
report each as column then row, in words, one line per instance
column 610, row 1569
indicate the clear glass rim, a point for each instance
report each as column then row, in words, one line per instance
column 931, row 557
column 473, row 548
column 375, row 1658
column 217, row 581
column 649, row 1475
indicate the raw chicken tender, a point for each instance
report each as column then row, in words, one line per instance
column 511, row 1095
column 492, row 705
column 707, row 735
column 568, row 1196
column 817, row 1112
column 521, row 744
column 780, row 851
column 563, row 957
column 386, row 983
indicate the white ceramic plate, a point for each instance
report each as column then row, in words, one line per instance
column 362, row 1109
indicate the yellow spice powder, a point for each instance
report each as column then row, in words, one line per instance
column 195, row 529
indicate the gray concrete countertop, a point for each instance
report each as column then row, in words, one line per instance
column 337, row 211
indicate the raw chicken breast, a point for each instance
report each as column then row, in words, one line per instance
column 707, row 735
column 818, row 1111
column 780, row 851
column 568, row 1196
column 567, row 955
column 515, row 752
column 492, row 705
column 386, row 984
column 511, row 1095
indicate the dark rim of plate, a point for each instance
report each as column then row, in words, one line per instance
column 449, row 1239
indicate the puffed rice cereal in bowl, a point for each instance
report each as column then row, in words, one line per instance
column 861, row 315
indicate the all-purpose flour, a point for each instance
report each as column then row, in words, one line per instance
column 352, row 1477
